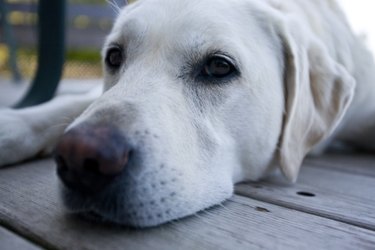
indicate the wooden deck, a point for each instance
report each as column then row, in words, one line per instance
column 331, row 207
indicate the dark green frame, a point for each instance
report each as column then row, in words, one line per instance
column 51, row 53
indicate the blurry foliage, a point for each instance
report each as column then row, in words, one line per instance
column 83, row 55
column 79, row 63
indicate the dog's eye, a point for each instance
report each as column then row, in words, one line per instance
column 114, row 57
column 218, row 67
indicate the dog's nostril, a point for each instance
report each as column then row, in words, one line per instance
column 60, row 162
column 127, row 156
column 91, row 165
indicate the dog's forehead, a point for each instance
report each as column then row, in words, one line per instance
column 180, row 20
column 167, row 10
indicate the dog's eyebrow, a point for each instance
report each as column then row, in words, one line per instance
column 200, row 56
column 202, row 49
column 129, row 30
column 112, row 44
column 196, row 58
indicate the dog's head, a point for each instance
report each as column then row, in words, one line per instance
column 198, row 95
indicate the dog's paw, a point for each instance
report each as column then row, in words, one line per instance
column 18, row 141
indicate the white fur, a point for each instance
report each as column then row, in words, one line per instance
column 197, row 140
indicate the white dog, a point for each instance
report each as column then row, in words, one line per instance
column 200, row 95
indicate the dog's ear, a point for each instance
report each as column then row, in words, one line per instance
column 318, row 91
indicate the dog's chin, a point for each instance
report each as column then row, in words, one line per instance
column 116, row 210
column 91, row 208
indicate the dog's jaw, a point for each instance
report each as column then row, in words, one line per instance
column 148, row 200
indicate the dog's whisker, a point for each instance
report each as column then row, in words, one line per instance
column 115, row 7
column 223, row 206
column 175, row 223
column 66, row 120
column 206, row 211
column 204, row 218
column 58, row 126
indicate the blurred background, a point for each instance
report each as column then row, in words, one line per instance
column 88, row 23
column 362, row 19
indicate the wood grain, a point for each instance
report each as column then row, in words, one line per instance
column 11, row 241
column 339, row 195
column 30, row 206
column 358, row 164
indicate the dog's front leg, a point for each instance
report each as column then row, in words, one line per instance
column 33, row 131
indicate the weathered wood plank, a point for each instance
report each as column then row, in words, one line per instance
column 361, row 164
column 11, row 241
column 30, row 204
column 339, row 195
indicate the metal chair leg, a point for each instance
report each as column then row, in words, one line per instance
column 51, row 50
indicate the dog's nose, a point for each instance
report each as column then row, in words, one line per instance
column 89, row 157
